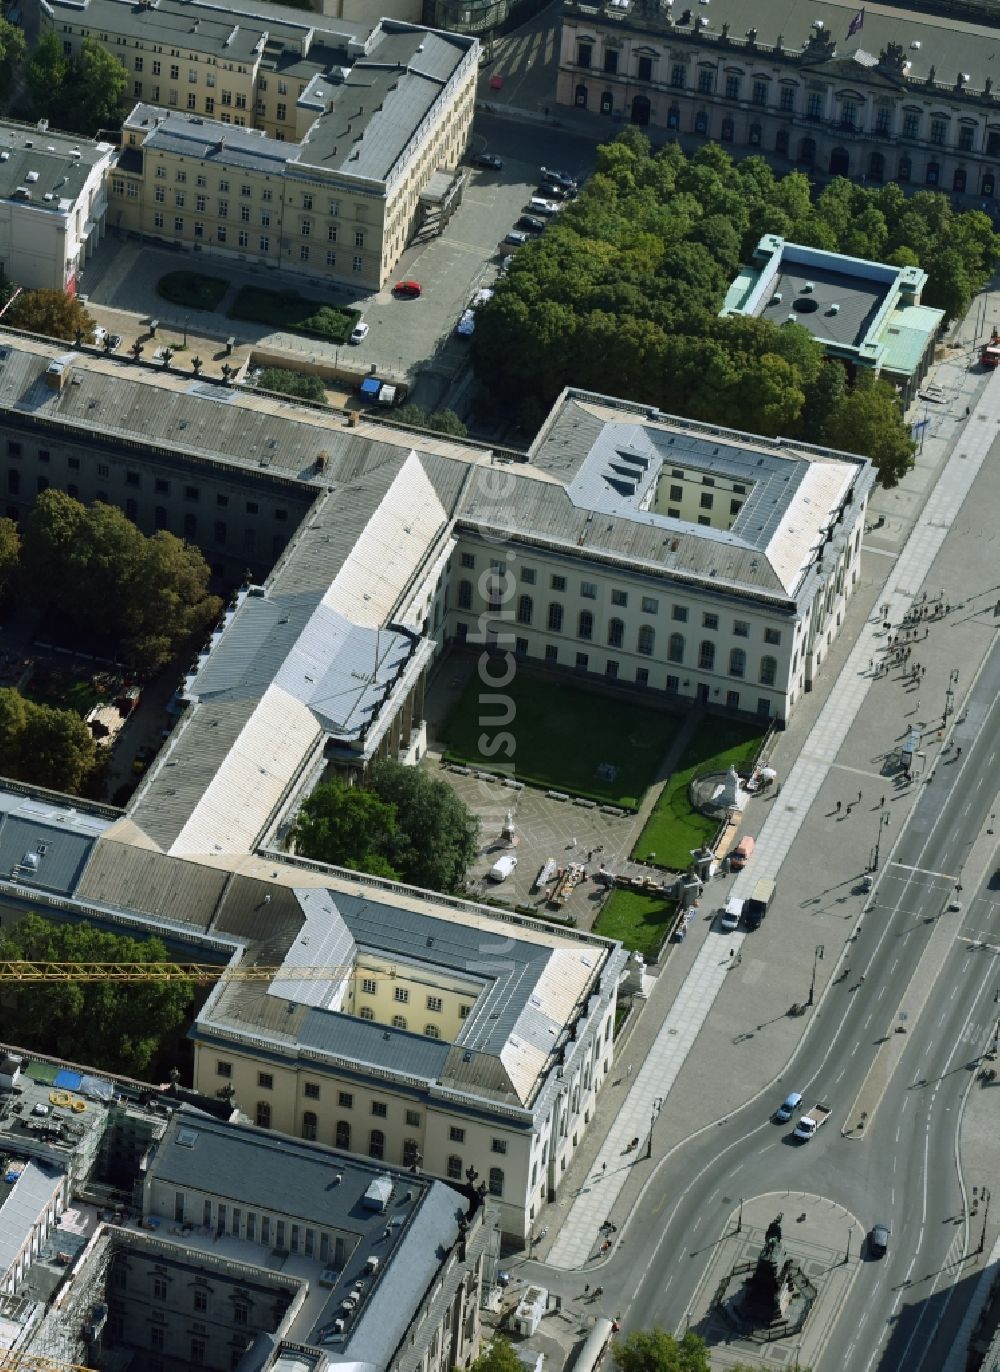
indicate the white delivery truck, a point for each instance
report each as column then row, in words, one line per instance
column 814, row 1120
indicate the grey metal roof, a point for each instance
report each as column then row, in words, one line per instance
column 410, row 1229
column 209, row 140
column 372, row 116
column 121, row 874
column 21, row 1204
column 58, row 164
column 45, row 846
column 950, row 45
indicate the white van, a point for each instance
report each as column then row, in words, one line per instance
column 546, row 208
column 502, row 868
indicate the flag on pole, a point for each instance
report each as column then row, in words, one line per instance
column 856, row 24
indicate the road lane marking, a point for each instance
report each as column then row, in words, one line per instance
column 924, row 871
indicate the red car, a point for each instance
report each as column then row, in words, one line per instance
column 406, row 290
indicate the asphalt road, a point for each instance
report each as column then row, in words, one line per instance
column 903, row 1169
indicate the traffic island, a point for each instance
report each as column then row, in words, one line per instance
column 777, row 1278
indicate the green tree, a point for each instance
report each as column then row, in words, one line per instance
column 168, row 604
column 10, row 552
column 56, row 748
column 348, row 826
column 304, row 385
column 118, row 1027
column 51, row 313
column 655, row 1350
column 441, row 421
column 499, row 1357
column 45, row 73
column 436, row 832
column 12, row 54
column 869, row 420
column 95, row 89
column 13, row 718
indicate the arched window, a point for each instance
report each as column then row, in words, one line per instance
column 190, row 526
column 263, row 1114
column 309, row 1125
column 988, row 184
column 465, row 595
column 376, row 1144
column 616, row 633
column 807, row 151
column 646, row 640
column 399, row 1021
column 933, row 173
column 755, row 135
column 905, row 169
column 781, row 142
column 581, row 97
column 343, row 1134
column 706, row 655
column 585, row 625
column 432, row 1031
column 454, row 1168
column 876, row 167
column 673, row 117
column 958, row 180
column 701, row 122
column 768, row 671
column 607, row 102
column 728, row 128
column 675, row 652
column 525, row 607
column 737, row 662
column 496, row 1181
column 411, row 1153
column 555, row 617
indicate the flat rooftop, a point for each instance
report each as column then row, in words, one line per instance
column 51, row 167
column 833, row 305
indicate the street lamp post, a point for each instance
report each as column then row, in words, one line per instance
column 739, row 1222
column 847, row 1251
column 817, row 957
column 883, row 823
column 986, row 1211
column 657, row 1106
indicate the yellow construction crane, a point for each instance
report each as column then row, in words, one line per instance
column 200, row 972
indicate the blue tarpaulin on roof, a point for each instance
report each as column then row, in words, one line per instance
column 69, row 1081
column 370, row 387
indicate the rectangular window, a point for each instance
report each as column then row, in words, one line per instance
column 814, row 106
column 179, row 199
column 787, row 98
column 311, row 1089
column 588, row 590
column 939, row 129
column 345, row 1100
column 199, row 203
column 650, row 605
column 498, row 1146
column 369, row 985
column 581, row 662
column 965, row 136
column 380, row 1109
column 911, row 125
column 244, row 239
column 611, row 61
column 709, row 621
column 220, row 234
column 455, row 1134
column 244, row 214
column 558, row 583
column 413, row 1119
column 882, row 120
column 265, row 1080
column 528, row 576
column 679, row 612
column 401, row 995
column 159, row 195
column 707, row 500
column 584, row 54
column 307, row 202
column 619, row 597
column 772, row 636
column 157, row 220
column 706, row 80
column 741, row 629
column 732, row 87
column 223, row 1068
column 434, row 1003
column 357, row 264
column 178, row 225
column 359, row 239
column 265, row 243
column 265, row 219
column 678, row 75
column 759, row 95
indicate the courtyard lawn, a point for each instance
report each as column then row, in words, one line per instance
column 640, row 921
column 192, row 290
column 288, row 310
column 565, row 739
column 49, row 686
column 674, row 828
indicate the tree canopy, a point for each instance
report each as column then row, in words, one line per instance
column 404, row 824
column 622, row 293
column 499, row 1357
column 148, row 595
column 81, row 94
column 43, row 745
column 655, row 1350
column 304, row 385
column 52, row 313
column 114, row 1026
column 440, row 421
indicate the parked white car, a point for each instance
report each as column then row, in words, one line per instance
column 502, row 868
column 360, row 332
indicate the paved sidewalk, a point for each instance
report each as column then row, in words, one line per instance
column 579, row 1234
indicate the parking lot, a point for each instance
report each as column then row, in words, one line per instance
column 408, row 339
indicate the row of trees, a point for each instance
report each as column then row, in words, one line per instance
column 621, row 294
column 112, row 1025
column 81, row 94
column 90, row 565
column 43, row 745
column 651, row 1350
column 404, row 825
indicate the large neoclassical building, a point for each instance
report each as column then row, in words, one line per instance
column 899, row 96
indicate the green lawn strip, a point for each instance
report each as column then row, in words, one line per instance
column 640, row 921
column 288, row 310
column 561, row 736
column 63, row 692
column 192, row 290
column 674, row 828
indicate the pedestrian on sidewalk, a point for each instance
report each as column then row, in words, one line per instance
column 838, row 807
column 628, row 1070
column 860, row 796
column 882, row 803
